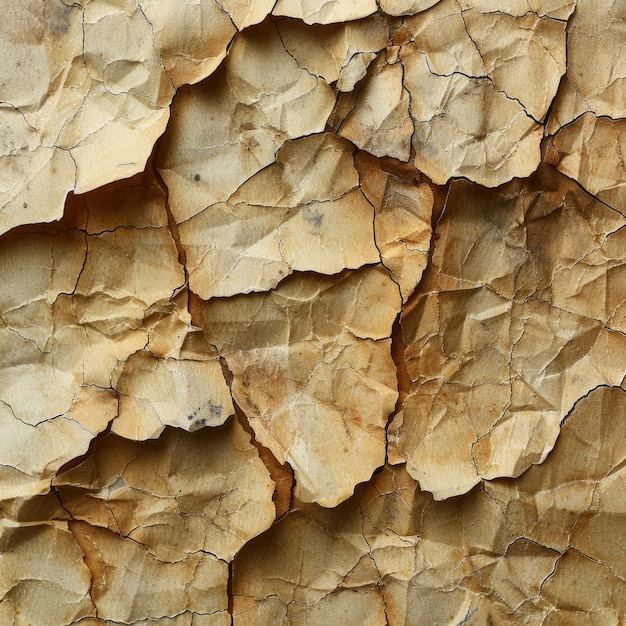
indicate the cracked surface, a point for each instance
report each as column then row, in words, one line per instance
column 312, row 312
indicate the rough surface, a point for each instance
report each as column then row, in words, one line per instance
column 312, row 312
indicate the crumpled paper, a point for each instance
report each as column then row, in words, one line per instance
column 312, row 312
column 312, row 370
column 520, row 551
column 517, row 316
column 282, row 220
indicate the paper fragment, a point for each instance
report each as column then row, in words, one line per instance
column 499, row 140
column 313, row 12
column 406, row 7
column 283, row 220
column 313, row 372
column 242, row 114
column 474, row 111
column 154, row 393
column 380, row 124
column 402, row 224
column 95, row 111
column 142, row 491
column 246, row 13
column 589, row 150
column 595, row 75
column 192, row 37
column 504, row 334
column 339, row 53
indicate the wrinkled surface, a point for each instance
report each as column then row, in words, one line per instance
column 312, row 312
column 513, row 552
column 282, row 220
column 513, row 322
column 312, row 370
column 136, row 491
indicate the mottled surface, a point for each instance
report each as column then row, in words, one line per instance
column 312, row 312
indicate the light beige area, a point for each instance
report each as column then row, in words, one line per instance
column 143, row 492
column 312, row 312
column 480, row 82
column 315, row 12
column 312, row 370
column 257, row 100
column 85, row 89
column 288, row 217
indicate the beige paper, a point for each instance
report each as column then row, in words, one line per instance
column 312, row 312
column 509, row 328
column 283, row 220
column 313, row 372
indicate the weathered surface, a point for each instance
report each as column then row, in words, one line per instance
column 312, row 312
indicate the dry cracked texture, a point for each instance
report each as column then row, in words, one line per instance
column 313, row 312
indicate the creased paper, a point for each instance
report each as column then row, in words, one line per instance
column 312, row 312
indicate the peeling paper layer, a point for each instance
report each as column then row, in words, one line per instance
column 282, row 219
column 516, row 318
column 142, row 492
column 524, row 551
column 97, row 92
column 245, row 113
column 584, row 149
column 340, row 341
column 313, row 372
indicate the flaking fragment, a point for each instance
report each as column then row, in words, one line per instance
column 313, row 372
column 475, row 113
column 381, row 124
column 177, row 380
column 130, row 584
column 589, row 150
column 405, row 7
column 402, row 224
column 314, row 12
column 595, row 78
column 177, row 496
column 241, row 115
column 155, row 392
column 192, row 37
column 283, row 220
column 338, row 53
column 515, row 320
column 246, row 13
column 500, row 140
